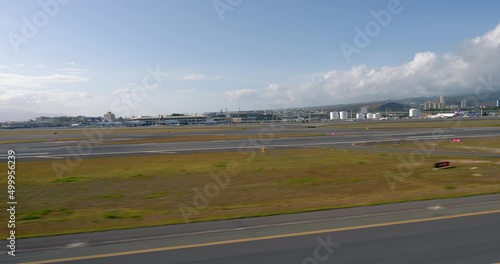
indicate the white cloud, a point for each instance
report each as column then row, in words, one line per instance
column 73, row 70
column 196, row 77
column 35, row 100
column 4, row 66
column 20, row 65
column 242, row 93
column 35, row 96
column 427, row 74
column 27, row 81
column 71, row 64
column 41, row 65
column 193, row 77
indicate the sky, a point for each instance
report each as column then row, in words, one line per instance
column 131, row 57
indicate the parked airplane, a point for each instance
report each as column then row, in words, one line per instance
column 447, row 115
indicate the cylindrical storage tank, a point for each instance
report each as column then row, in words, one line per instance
column 377, row 116
column 360, row 116
column 344, row 115
column 369, row 116
column 334, row 115
column 414, row 113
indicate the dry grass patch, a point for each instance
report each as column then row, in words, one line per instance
column 442, row 123
column 480, row 145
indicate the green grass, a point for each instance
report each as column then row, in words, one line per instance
column 300, row 181
column 154, row 195
column 219, row 164
column 66, row 179
column 36, row 214
column 423, row 124
column 122, row 214
column 111, row 196
column 148, row 190
column 479, row 145
column 111, row 215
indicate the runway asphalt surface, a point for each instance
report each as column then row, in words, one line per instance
column 461, row 230
column 61, row 149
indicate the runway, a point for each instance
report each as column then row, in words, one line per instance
column 345, row 139
column 462, row 230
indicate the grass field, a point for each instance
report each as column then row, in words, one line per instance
column 441, row 123
column 114, row 193
column 479, row 145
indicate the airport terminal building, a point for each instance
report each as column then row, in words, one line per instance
column 171, row 120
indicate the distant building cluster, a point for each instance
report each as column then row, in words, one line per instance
column 389, row 110
column 109, row 119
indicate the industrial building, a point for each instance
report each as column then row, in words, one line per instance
column 344, row 115
column 463, row 104
column 163, row 120
column 414, row 113
column 109, row 117
column 334, row 115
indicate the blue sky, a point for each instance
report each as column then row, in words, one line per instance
column 262, row 54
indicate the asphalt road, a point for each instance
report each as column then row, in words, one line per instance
column 462, row 230
column 463, row 240
column 345, row 139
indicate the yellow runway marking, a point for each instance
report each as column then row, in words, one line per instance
column 215, row 243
